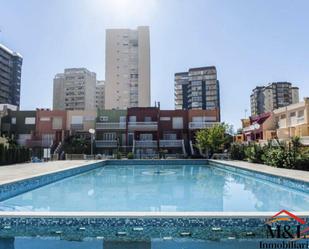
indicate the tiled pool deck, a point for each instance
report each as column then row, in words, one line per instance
column 17, row 172
column 129, row 225
column 299, row 175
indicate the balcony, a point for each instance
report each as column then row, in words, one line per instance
column 145, row 143
column 77, row 127
column 143, row 126
column 201, row 125
column 171, row 143
column 106, row 143
column 111, row 126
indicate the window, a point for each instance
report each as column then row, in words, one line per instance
column 147, row 119
column 103, row 118
column 197, row 119
column 282, row 116
column 169, row 136
column 57, row 123
column 109, row 136
column 146, row 136
column 77, row 120
column 165, row 118
column 45, row 119
column 30, row 120
column 292, row 114
column 122, row 119
column 300, row 113
column 177, row 123
column 132, row 119
column 13, row 120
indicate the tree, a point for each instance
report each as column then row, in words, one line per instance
column 212, row 139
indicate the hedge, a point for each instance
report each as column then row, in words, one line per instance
column 11, row 155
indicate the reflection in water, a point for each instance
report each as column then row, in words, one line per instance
column 182, row 188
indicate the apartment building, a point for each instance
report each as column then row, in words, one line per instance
column 148, row 130
column 100, row 95
column 197, row 89
column 75, row 89
column 127, row 71
column 10, row 76
column 275, row 95
column 293, row 120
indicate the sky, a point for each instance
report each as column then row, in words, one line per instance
column 250, row 42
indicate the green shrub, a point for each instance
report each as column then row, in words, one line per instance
column 13, row 154
column 130, row 155
column 255, row 153
column 237, row 151
column 279, row 157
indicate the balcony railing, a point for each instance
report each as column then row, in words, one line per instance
column 77, row 127
column 106, row 143
column 110, row 126
column 170, row 143
column 145, row 143
column 143, row 126
column 201, row 125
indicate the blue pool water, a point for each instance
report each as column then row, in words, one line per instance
column 159, row 188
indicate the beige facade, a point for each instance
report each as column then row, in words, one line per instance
column 75, row 89
column 100, row 95
column 81, row 120
column 293, row 120
column 127, row 71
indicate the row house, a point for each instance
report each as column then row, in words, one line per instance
column 18, row 125
column 146, row 131
column 44, row 128
column 283, row 123
column 111, row 127
column 260, row 128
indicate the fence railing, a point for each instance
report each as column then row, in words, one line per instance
column 143, row 125
column 201, row 125
column 110, row 126
column 171, row 143
column 106, row 143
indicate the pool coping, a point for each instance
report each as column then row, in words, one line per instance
column 124, row 214
column 301, row 175
column 87, row 162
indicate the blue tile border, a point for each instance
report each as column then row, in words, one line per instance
column 205, row 228
column 283, row 181
column 158, row 162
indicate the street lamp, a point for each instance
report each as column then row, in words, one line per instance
column 92, row 132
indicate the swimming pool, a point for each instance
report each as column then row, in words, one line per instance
column 131, row 200
column 160, row 188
